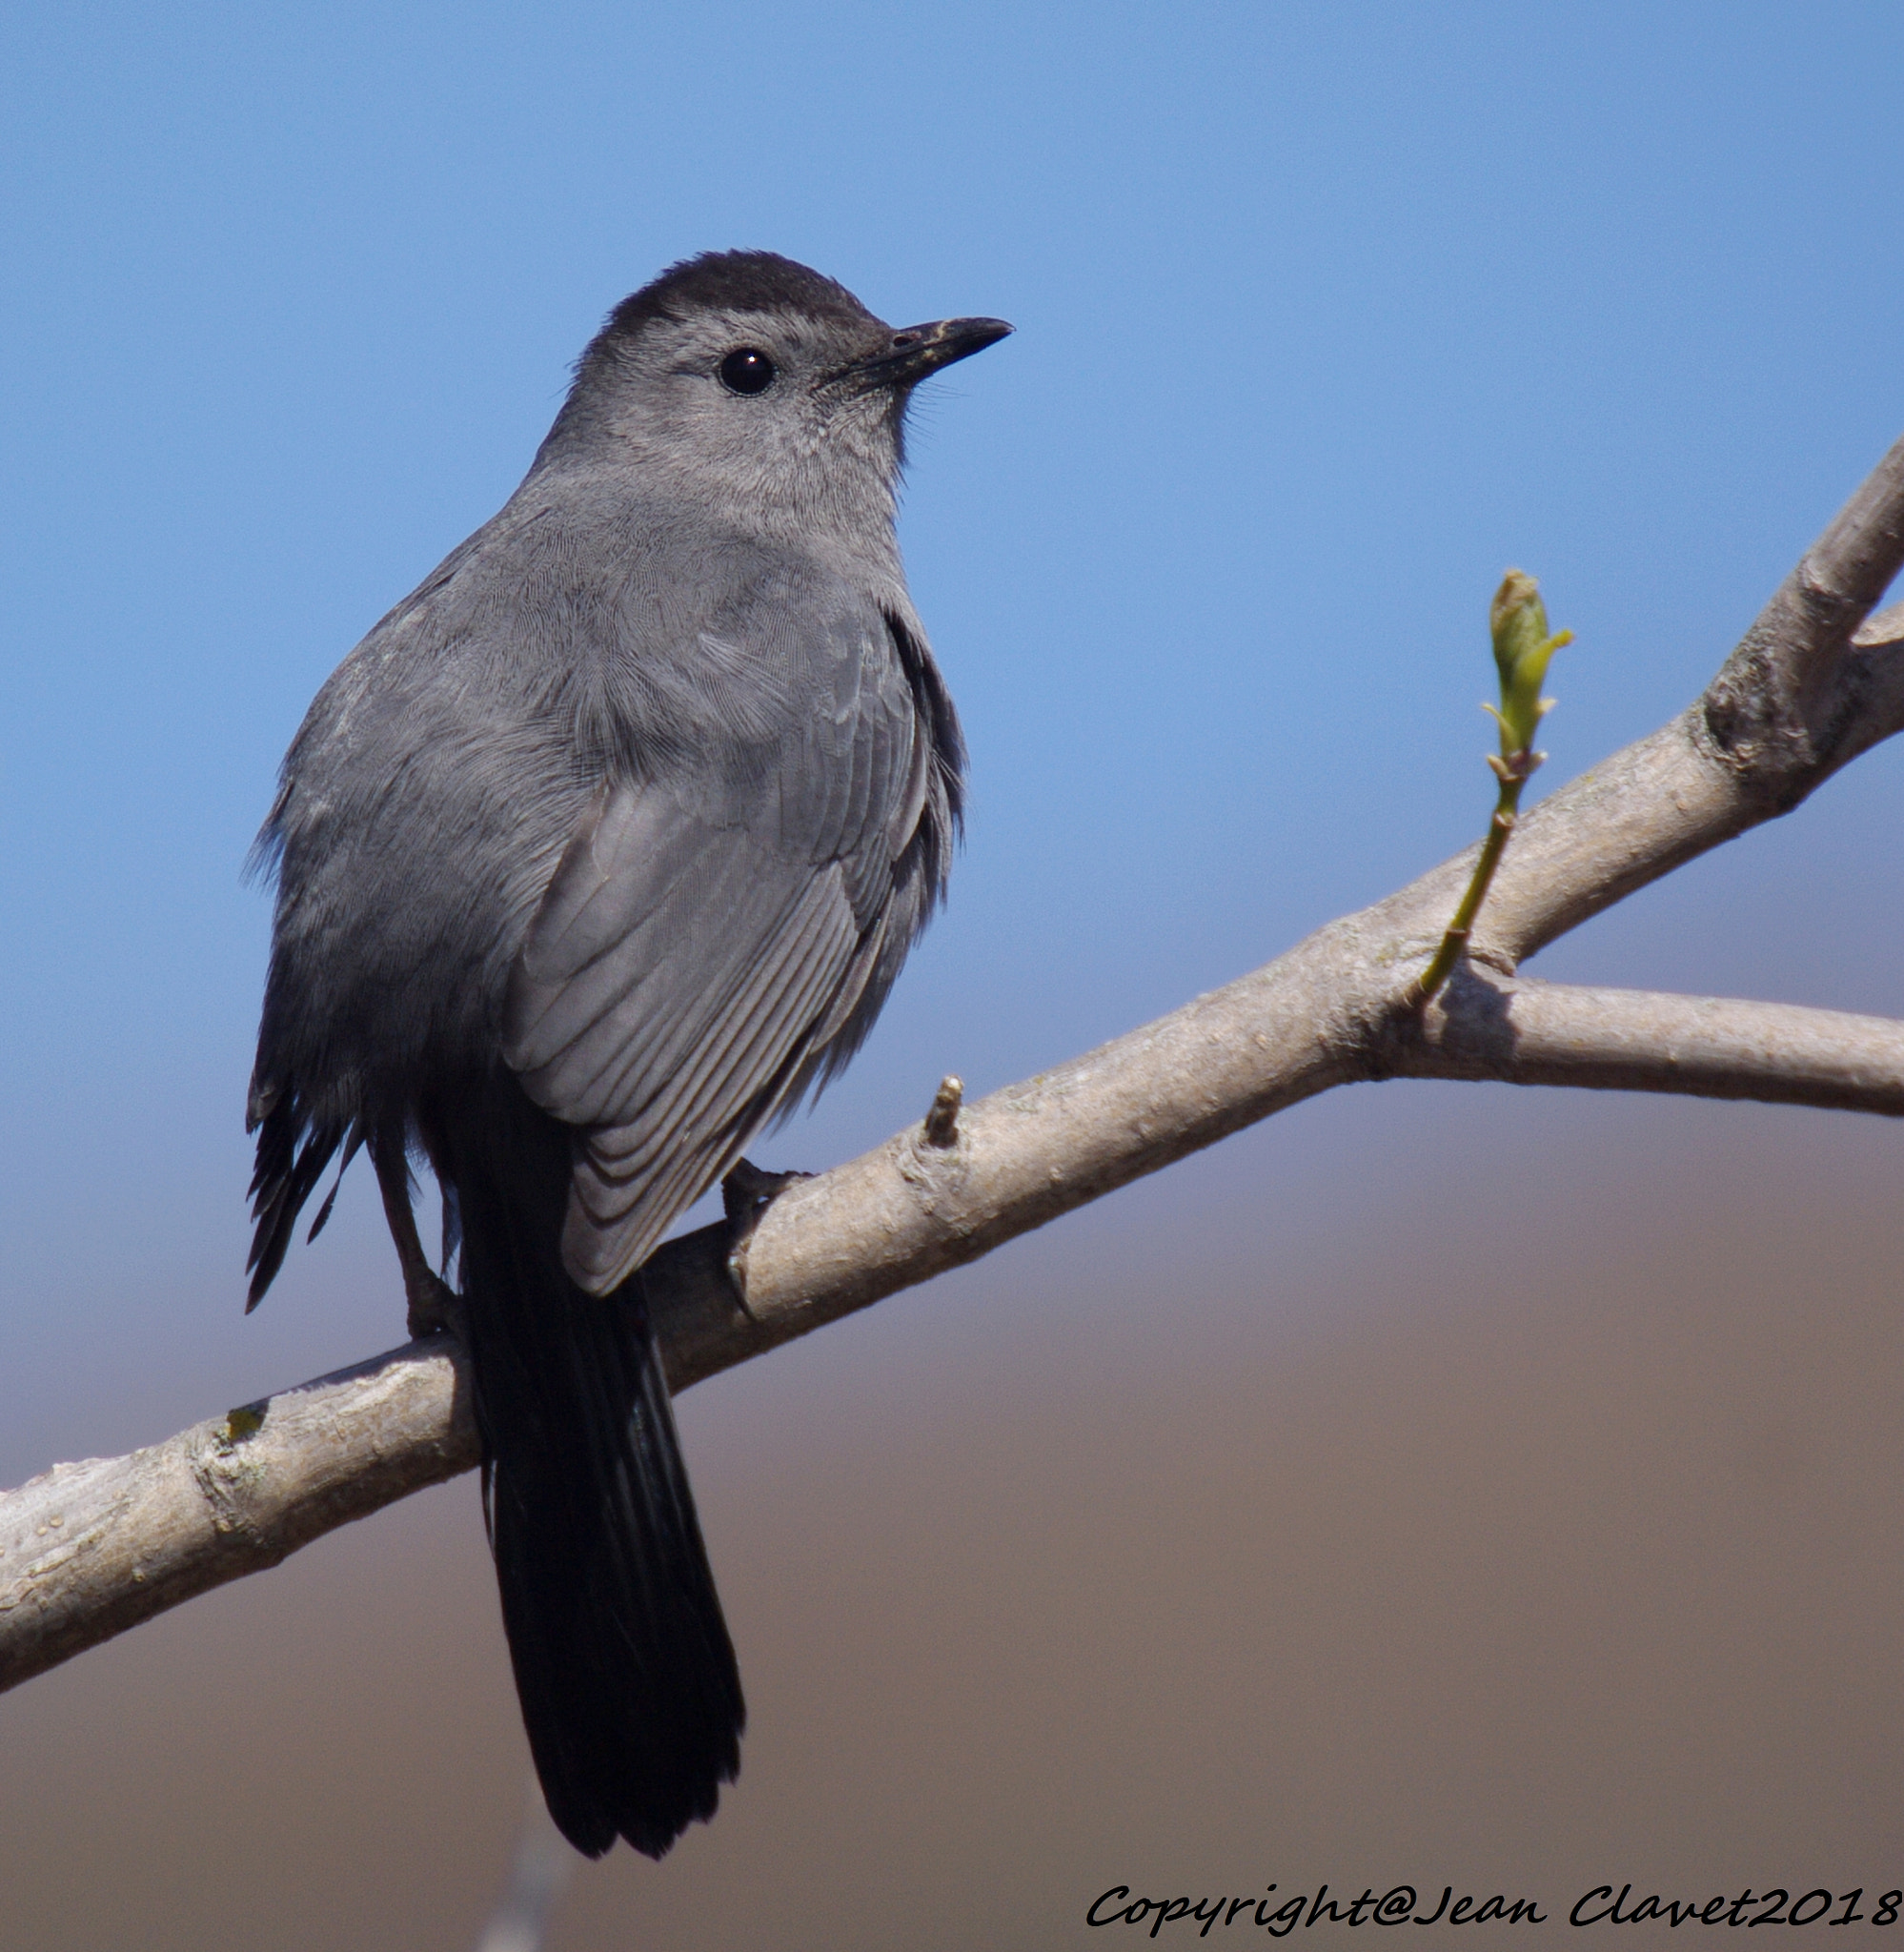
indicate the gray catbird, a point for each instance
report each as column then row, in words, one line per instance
column 602, row 847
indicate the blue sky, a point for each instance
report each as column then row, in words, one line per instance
column 1327, row 314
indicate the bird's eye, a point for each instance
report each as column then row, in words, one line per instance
column 747, row 370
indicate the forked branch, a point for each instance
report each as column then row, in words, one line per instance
column 91, row 1549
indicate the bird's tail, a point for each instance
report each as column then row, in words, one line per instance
column 629, row 1688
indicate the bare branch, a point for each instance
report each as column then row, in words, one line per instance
column 1522, row 1033
column 91, row 1549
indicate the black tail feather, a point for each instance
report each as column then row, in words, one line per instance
column 628, row 1682
column 286, row 1173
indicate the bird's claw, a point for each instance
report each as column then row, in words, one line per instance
column 436, row 1308
column 747, row 1192
column 745, row 1195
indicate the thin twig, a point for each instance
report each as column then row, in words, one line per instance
column 1454, row 939
column 1522, row 648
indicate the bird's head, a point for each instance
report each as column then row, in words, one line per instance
column 745, row 379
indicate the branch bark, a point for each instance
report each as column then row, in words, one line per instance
column 1522, row 1033
column 89, row 1550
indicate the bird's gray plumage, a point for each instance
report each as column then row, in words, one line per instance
column 624, row 821
column 697, row 645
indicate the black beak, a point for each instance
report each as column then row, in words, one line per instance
column 919, row 350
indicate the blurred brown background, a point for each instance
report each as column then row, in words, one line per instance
column 1520, row 1510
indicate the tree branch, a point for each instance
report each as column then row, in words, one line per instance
column 1522, row 1032
column 89, row 1550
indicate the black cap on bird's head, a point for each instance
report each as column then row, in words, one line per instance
column 736, row 282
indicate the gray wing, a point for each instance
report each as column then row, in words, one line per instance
column 713, row 926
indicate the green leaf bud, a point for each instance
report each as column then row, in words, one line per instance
column 1522, row 651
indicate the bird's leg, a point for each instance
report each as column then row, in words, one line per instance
column 745, row 1194
column 431, row 1303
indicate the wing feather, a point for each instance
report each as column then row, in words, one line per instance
column 706, row 932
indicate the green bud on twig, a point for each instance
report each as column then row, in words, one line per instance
column 1523, row 649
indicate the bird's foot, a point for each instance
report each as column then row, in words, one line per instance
column 436, row 1308
column 745, row 1194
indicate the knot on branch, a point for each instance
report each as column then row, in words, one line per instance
column 229, row 1482
column 1780, row 713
